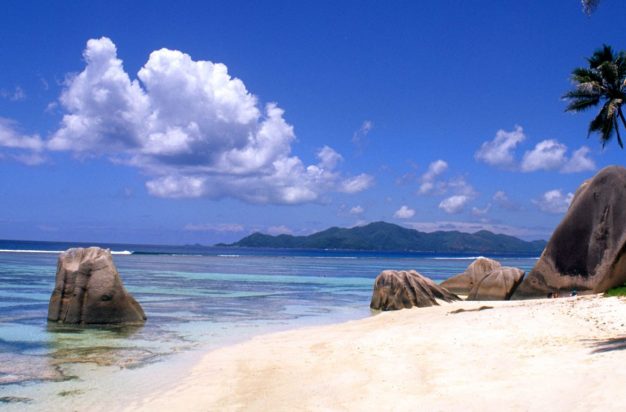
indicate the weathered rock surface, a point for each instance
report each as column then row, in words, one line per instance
column 499, row 284
column 400, row 289
column 464, row 282
column 587, row 250
column 88, row 290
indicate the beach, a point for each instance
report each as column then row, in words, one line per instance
column 546, row 354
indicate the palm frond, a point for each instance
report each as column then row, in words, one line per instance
column 582, row 92
column 609, row 73
column 619, row 138
column 604, row 81
column 604, row 54
column 582, row 104
column 585, row 75
column 604, row 123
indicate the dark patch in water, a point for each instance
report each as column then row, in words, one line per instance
column 70, row 393
column 15, row 399
column 117, row 331
column 20, row 346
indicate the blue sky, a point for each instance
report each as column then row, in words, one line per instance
column 160, row 122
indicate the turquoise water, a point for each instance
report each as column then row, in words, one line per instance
column 193, row 303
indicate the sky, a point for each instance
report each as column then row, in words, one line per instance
column 202, row 122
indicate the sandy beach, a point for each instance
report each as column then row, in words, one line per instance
column 557, row 354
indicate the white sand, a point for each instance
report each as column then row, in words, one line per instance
column 526, row 355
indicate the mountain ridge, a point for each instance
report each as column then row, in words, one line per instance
column 383, row 236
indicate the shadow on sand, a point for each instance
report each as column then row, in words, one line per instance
column 609, row 345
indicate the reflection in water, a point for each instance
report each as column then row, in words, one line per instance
column 191, row 302
column 103, row 345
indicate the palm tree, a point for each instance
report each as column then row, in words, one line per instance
column 603, row 81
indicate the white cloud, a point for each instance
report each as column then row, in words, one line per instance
column 460, row 186
column 356, row 184
column 554, row 201
column 404, row 212
column 501, row 199
column 16, row 95
column 279, row 230
column 454, row 204
column 476, row 211
column 192, row 128
column 499, row 151
column 547, row 155
column 357, row 210
column 579, row 162
column 429, row 178
column 20, row 147
column 220, row 228
column 472, row 227
column 328, row 158
column 359, row 138
column 11, row 139
column 30, row 159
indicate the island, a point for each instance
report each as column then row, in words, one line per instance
column 383, row 236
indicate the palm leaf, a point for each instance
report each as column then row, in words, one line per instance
column 605, row 54
column 581, row 104
column 609, row 73
column 584, row 75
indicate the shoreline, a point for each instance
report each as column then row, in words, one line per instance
column 525, row 355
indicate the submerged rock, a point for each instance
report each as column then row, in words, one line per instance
column 587, row 250
column 88, row 290
column 499, row 284
column 400, row 289
column 464, row 282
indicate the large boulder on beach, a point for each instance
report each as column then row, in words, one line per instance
column 587, row 250
column 88, row 290
column 464, row 282
column 403, row 289
column 499, row 284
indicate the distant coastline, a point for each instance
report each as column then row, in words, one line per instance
column 383, row 237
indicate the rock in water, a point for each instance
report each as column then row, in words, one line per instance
column 400, row 289
column 88, row 290
column 587, row 250
column 499, row 284
column 463, row 283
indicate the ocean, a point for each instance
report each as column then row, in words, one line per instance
column 196, row 298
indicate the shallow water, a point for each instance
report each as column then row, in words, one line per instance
column 193, row 303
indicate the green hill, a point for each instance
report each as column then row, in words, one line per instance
column 382, row 236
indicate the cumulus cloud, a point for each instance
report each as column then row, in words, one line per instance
column 429, row 179
column 454, row 204
column 357, row 210
column 404, row 212
column 193, row 128
column 548, row 154
column 554, row 201
column 579, row 162
column 499, row 151
column 551, row 155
